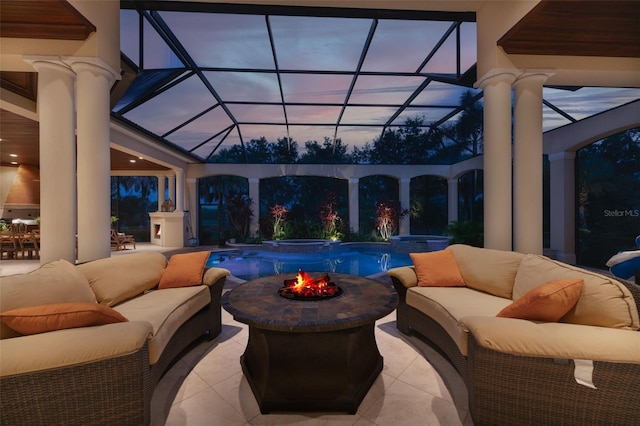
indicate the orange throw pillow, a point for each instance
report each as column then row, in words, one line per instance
column 40, row 319
column 184, row 270
column 547, row 302
column 437, row 269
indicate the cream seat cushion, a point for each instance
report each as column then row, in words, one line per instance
column 72, row 346
column 166, row 310
column 554, row 339
column 54, row 282
column 446, row 305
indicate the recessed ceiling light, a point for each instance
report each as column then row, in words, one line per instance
column 13, row 155
column 14, row 163
column 140, row 158
column 132, row 161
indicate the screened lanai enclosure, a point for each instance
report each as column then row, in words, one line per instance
column 250, row 85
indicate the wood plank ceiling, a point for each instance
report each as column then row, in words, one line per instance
column 553, row 27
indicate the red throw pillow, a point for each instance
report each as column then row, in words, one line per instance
column 547, row 302
column 40, row 319
column 437, row 269
column 184, row 270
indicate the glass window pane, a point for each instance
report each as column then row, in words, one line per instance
column 308, row 43
column 441, row 94
column 223, row 40
column 129, row 34
column 429, row 115
column 444, row 60
column 270, row 132
column 200, row 129
column 384, row 89
column 157, row 53
column 367, row 115
column 401, row 46
column 588, row 101
column 245, row 86
column 172, row 107
column 313, row 114
column 468, row 45
column 315, row 88
column 229, row 142
column 257, row 114
column 302, row 134
column 358, row 135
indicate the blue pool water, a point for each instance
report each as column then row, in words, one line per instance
column 251, row 264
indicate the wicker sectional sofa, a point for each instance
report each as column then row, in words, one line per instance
column 583, row 369
column 102, row 374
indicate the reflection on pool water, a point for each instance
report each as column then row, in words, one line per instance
column 250, row 264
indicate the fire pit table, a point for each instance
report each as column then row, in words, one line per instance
column 318, row 355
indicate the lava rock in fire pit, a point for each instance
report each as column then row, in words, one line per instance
column 303, row 287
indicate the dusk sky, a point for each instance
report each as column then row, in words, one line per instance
column 221, row 42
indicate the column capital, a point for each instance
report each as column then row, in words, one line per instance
column 354, row 180
column 39, row 63
column 497, row 75
column 93, row 65
column 253, row 180
column 562, row 155
column 533, row 76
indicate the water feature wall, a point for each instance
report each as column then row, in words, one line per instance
column 418, row 243
column 301, row 246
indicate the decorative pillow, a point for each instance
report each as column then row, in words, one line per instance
column 40, row 319
column 437, row 269
column 184, row 270
column 547, row 302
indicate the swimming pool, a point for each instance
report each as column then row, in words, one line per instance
column 248, row 264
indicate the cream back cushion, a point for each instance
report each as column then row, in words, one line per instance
column 488, row 270
column 116, row 279
column 52, row 283
column 604, row 302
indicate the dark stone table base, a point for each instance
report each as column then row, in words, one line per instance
column 311, row 355
column 314, row 371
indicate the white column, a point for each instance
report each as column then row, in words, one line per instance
column 527, row 164
column 179, row 190
column 162, row 181
column 405, row 203
column 172, row 188
column 57, row 160
column 254, row 194
column 354, row 204
column 562, row 205
column 452, row 199
column 93, row 156
column 497, row 159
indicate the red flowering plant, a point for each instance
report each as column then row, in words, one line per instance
column 389, row 213
column 330, row 218
column 279, row 214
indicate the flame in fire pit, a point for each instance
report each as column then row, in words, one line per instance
column 305, row 287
